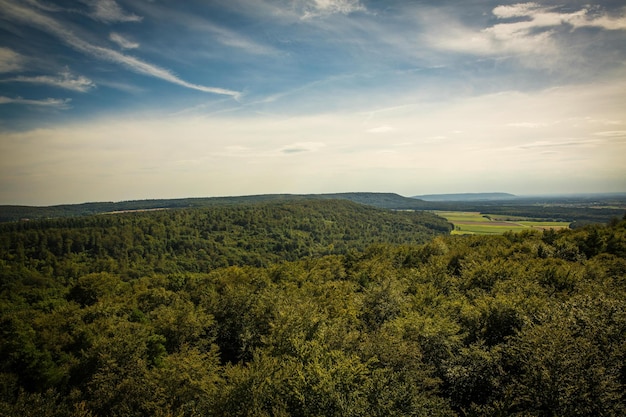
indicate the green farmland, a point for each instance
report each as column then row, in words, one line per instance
column 466, row 223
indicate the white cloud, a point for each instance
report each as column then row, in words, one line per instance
column 10, row 61
column 538, row 17
column 33, row 18
column 341, row 6
column 530, row 32
column 122, row 42
column 64, row 80
column 314, row 8
column 49, row 102
column 108, row 11
column 604, row 22
column 515, row 10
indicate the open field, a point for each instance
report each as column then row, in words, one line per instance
column 466, row 222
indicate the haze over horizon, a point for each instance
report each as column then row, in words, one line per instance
column 114, row 100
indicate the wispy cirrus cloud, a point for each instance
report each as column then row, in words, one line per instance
column 34, row 18
column 121, row 86
column 123, row 42
column 230, row 38
column 108, row 11
column 104, row 11
column 301, row 147
column 612, row 134
column 200, row 25
column 44, row 6
column 48, row 102
column 65, row 80
column 10, row 60
column 557, row 143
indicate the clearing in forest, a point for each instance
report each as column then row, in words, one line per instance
column 485, row 224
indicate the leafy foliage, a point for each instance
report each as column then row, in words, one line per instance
column 198, row 240
column 315, row 308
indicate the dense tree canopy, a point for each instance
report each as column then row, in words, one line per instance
column 198, row 240
column 291, row 310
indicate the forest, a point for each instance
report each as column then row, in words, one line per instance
column 577, row 209
column 315, row 307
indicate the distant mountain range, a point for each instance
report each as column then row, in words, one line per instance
column 466, row 197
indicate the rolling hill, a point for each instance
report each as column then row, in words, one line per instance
column 466, row 197
column 10, row 213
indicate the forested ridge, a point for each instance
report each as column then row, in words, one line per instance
column 10, row 213
column 579, row 210
column 308, row 309
column 196, row 240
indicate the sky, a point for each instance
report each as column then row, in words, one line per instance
column 112, row 100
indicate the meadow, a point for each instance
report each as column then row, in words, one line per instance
column 476, row 223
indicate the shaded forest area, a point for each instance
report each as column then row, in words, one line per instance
column 314, row 308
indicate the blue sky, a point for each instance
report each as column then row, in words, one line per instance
column 109, row 100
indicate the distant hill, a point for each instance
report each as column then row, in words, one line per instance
column 380, row 200
column 466, row 197
column 10, row 213
column 582, row 209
